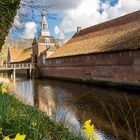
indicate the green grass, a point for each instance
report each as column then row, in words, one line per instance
column 15, row 117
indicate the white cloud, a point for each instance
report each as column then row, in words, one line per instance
column 16, row 22
column 86, row 13
column 30, row 30
column 59, row 34
column 123, row 7
column 57, row 30
column 74, row 13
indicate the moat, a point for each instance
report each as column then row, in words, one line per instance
column 72, row 104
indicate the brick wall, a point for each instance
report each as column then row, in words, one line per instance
column 122, row 67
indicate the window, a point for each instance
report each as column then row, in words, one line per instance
column 47, row 40
column 44, row 59
column 49, row 61
column 120, row 54
column 87, row 58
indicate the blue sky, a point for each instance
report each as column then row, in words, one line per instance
column 65, row 16
column 112, row 2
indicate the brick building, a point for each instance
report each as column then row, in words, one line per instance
column 108, row 52
column 42, row 47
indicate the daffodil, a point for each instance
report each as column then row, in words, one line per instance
column 95, row 138
column 88, row 128
column 0, row 130
column 6, row 83
column 34, row 124
column 10, row 85
column 20, row 137
column 4, row 90
column 6, row 138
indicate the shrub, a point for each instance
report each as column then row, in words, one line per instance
column 7, row 13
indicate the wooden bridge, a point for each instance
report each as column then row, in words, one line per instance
column 17, row 66
column 20, row 66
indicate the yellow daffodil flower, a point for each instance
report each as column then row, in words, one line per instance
column 0, row 130
column 6, row 138
column 4, row 90
column 6, row 87
column 20, row 137
column 34, row 124
column 6, row 83
column 10, row 85
column 88, row 128
column 95, row 138
column 2, row 86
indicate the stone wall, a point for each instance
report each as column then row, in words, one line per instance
column 116, row 67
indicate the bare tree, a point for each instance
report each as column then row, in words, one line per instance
column 32, row 10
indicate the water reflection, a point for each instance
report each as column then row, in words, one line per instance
column 25, row 91
column 72, row 104
column 46, row 99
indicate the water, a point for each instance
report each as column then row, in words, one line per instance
column 72, row 104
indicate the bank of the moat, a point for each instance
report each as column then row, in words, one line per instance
column 71, row 104
column 16, row 117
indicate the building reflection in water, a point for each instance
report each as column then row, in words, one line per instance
column 44, row 96
column 24, row 91
column 72, row 104
column 46, row 100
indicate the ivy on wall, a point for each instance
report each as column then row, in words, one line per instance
column 8, row 10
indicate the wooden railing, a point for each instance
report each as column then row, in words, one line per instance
column 18, row 66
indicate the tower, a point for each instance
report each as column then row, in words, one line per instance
column 44, row 27
column 46, row 41
column 35, row 51
column 45, row 37
column 8, row 56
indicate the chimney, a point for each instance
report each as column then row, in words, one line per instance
column 78, row 29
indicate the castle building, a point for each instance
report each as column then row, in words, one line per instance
column 41, row 48
column 46, row 39
column 108, row 53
